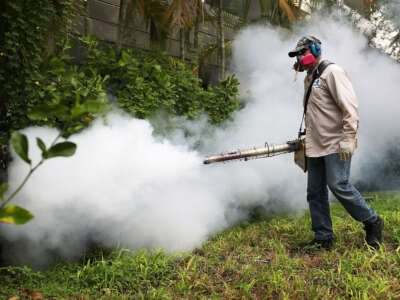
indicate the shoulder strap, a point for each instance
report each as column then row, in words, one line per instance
column 318, row 72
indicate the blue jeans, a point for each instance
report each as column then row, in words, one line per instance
column 330, row 171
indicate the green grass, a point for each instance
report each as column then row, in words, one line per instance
column 252, row 260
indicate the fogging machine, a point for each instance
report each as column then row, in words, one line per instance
column 297, row 146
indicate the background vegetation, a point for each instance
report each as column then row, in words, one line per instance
column 148, row 82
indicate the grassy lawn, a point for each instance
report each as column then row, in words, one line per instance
column 252, row 260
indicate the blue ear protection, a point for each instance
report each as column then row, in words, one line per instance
column 316, row 49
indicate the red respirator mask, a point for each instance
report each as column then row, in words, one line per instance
column 303, row 62
column 307, row 60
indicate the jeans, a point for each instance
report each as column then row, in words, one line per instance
column 330, row 171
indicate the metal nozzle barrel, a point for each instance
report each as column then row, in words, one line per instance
column 268, row 150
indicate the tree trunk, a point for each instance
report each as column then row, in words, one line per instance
column 196, row 52
column 182, row 39
column 121, row 23
column 86, row 24
column 197, row 26
column 246, row 9
column 221, row 41
column 196, row 34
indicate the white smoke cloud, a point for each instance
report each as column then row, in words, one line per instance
column 126, row 186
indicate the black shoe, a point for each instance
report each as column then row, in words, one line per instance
column 317, row 244
column 374, row 232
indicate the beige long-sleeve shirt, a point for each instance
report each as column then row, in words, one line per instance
column 332, row 112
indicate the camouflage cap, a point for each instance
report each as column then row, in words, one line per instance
column 303, row 44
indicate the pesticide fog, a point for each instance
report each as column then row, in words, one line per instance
column 127, row 187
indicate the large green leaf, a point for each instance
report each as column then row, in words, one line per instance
column 61, row 149
column 20, row 144
column 14, row 214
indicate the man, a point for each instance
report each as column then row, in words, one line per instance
column 331, row 122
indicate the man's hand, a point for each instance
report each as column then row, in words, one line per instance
column 346, row 149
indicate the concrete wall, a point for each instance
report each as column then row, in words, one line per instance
column 103, row 19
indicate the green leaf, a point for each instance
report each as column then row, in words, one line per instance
column 124, row 59
column 90, row 107
column 57, row 66
column 3, row 189
column 19, row 142
column 42, row 146
column 61, row 149
column 74, row 82
column 14, row 214
column 95, row 107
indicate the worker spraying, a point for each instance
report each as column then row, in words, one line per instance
column 325, row 146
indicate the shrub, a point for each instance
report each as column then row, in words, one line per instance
column 147, row 82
